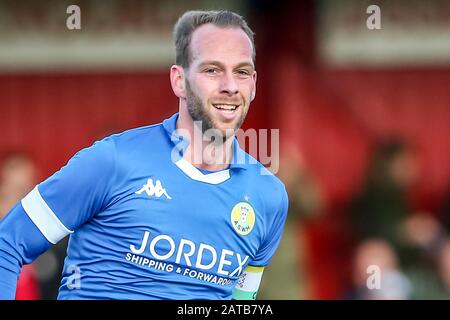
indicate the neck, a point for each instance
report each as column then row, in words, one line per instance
column 202, row 152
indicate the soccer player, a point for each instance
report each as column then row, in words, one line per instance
column 175, row 210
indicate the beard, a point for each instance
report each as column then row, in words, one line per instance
column 198, row 112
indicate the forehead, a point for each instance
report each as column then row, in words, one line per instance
column 228, row 45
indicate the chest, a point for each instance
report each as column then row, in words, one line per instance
column 170, row 217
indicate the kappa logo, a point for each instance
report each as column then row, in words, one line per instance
column 153, row 189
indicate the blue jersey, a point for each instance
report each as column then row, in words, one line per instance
column 144, row 223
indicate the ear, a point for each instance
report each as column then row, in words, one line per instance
column 177, row 81
column 254, row 86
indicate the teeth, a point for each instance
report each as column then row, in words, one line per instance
column 225, row 107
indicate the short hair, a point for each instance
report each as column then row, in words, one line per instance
column 191, row 20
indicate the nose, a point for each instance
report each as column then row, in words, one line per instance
column 229, row 85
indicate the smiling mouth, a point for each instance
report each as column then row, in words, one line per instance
column 226, row 107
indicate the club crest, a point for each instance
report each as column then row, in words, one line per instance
column 243, row 218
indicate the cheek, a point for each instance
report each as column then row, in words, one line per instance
column 248, row 91
column 205, row 89
column 248, row 86
column 205, row 82
column 198, row 91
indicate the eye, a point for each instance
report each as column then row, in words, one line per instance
column 243, row 72
column 211, row 71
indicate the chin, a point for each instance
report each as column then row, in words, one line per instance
column 227, row 128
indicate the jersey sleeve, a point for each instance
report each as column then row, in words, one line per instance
column 53, row 209
column 20, row 243
column 274, row 234
column 74, row 194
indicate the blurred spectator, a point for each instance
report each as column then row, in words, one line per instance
column 305, row 196
column 382, row 206
column 429, row 262
column 430, row 275
column 412, row 247
column 445, row 212
column 422, row 231
column 49, row 267
column 17, row 178
column 444, row 266
column 305, row 202
column 393, row 284
column 385, row 235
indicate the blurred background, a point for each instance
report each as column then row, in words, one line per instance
column 364, row 119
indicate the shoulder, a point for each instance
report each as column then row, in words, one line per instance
column 261, row 174
column 136, row 141
column 107, row 151
column 267, row 182
column 135, row 135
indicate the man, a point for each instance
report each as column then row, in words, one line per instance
column 156, row 212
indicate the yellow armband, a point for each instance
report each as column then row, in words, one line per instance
column 248, row 284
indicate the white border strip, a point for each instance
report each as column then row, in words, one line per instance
column 195, row 174
column 43, row 217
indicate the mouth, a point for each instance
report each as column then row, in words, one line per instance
column 226, row 108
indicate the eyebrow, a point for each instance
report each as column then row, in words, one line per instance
column 220, row 64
